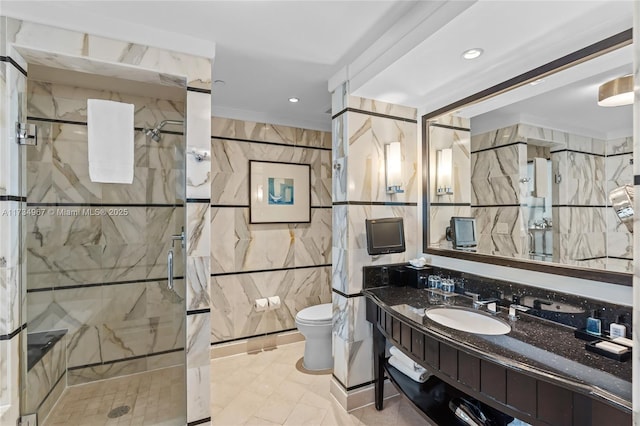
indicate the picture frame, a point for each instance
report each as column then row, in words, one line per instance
column 279, row 192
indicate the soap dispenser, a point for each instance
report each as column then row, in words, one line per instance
column 617, row 329
column 594, row 324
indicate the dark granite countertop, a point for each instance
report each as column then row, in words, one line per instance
column 536, row 346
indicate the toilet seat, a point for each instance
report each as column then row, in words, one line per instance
column 315, row 315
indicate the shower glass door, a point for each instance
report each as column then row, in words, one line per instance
column 106, row 332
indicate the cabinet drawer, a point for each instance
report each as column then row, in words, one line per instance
column 469, row 370
column 493, row 381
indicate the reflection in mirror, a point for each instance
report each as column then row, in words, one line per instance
column 535, row 166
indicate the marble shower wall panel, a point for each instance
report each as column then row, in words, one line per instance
column 619, row 169
column 367, row 136
column 495, row 175
column 198, row 366
column 43, row 376
column 63, row 102
column 233, row 297
column 237, row 245
column 459, row 141
column 561, row 140
column 620, row 146
column 491, row 239
column 230, row 169
column 585, row 181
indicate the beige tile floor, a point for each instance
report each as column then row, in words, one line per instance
column 267, row 389
column 155, row 398
column 250, row 389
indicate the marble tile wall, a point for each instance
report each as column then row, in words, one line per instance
column 251, row 261
column 13, row 82
column 358, row 194
column 42, row 44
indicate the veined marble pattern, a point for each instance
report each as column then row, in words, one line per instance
column 339, row 161
column 584, row 179
column 237, row 245
column 198, row 363
column 10, row 299
column 349, row 318
column 107, row 323
column 495, row 176
column 230, row 169
column 577, row 247
column 581, row 219
column 63, row 102
column 452, row 120
column 490, row 241
column 265, row 132
column 12, row 88
column 198, row 277
column 353, row 361
column 495, row 138
column 459, row 142
column 233, row 297
column 439, row 219
column 10, row 351
column 41, row 39
column 198, row 128
column 620, row 145
column 68, row 246
column 562, row 140
column 42, row 377
column 367, row 136
column 619, row 171
column 382, row 107
column 198, row 229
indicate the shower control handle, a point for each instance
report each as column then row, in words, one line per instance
column 170, row 269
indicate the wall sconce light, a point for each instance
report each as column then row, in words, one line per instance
column 616, row 92
column 444, row 168
column 393, row 168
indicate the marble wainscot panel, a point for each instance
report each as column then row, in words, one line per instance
column 352, row 361
column 349, row 318
column 367, row 136
column 230, row 169
column 233, row 299
column 198, row 362
column 458, row 141
column 240, row 246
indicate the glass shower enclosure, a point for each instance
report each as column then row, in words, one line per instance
column 105, row 320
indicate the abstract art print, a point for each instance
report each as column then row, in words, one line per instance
column 279, row 192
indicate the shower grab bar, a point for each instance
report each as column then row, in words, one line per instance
column 170, row 269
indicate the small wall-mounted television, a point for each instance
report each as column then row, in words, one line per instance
column 462, row 232
column 385, row 235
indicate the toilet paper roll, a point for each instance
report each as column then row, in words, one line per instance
column 274, row 302
column 261, row 305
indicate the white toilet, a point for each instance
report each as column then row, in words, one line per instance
column 314, row 323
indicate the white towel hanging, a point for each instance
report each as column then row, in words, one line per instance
column 111, row 147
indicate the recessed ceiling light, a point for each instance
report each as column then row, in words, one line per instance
column 472, row 53
column 536, row 82
column 294, row 100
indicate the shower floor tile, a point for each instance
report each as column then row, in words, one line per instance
column 154, row 398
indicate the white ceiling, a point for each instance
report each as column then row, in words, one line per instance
column 405, row 52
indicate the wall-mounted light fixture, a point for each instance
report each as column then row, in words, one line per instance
column 393, row 168
column 444, row 170
column 616, row 92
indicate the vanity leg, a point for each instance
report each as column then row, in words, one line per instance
column 378, row 365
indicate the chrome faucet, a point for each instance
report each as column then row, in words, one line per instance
column 491, row 303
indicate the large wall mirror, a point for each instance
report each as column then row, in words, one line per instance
column 534, row 161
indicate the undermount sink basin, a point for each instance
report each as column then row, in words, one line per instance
column 468, row 320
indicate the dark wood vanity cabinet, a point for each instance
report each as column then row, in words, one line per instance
column 525, row 396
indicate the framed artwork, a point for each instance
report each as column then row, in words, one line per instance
column 279, row 192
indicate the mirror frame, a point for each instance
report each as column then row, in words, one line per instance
column 614, row 42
